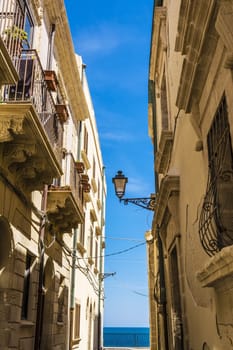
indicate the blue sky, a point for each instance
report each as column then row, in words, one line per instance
column 113, row 37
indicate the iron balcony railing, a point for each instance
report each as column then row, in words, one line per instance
column 13, row 20
column 72, row 178
column 215, row 225
column 31, row 87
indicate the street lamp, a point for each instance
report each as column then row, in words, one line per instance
column 120, row 181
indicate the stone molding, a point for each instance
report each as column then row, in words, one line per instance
column 170, row 186
column 158, row 42
column 94, row 185
column 164, row 152
column 218, row 269
column 64, row 213
column 196, row 40
column 29, row 160
column 217, row 273
column 85, row 160
column 225, row 30
column 93, row 215
column 67, row 63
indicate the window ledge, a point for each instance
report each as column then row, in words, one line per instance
column 218, row 270
column 25, row 323
column 76, row 341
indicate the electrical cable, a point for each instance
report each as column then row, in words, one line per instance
column 124, row 239
column 117, row 253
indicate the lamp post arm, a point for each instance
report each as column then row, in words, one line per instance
column 146, row 203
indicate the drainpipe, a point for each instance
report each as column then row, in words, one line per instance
column 74, row 255
column 163, row 298
column 50, row 46
column 162, row 301
column 100, row 335
column 40, row 309
column 39, row 315
column 72, row 287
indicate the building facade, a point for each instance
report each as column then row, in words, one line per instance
column 52, row 185
column 191, row 126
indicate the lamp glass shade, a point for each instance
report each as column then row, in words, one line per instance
column 120, row 182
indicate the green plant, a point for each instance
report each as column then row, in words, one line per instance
column 16, row 33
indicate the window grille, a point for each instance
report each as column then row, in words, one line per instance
column 216, row 219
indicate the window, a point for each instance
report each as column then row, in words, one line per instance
column 90, row 248
column 164, row 108
column 26, row 286
column 96, row 253
column 85, row 145
column 77, row 321
column 24, row 21
column 61, row 300
column 176, row 310
column 93, row 168
column 5, row 243
column 82, row 233
column 215, row 226
column 98, row 189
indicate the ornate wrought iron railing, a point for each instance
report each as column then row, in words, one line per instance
column 12, row 24
column 216, row 219
column 32, row 87
column 72, row 178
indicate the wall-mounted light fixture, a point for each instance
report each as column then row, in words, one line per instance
column 120, row 181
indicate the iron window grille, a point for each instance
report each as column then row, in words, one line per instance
column 216, row 219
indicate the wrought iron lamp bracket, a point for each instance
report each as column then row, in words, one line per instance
column 146, row 203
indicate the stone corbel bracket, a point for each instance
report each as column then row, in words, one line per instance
column 168, row 204
column 217, row 273
column 63, row 212
column 28, row 158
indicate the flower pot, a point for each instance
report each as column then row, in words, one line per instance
column 51, row 79
column 62, row 112
column 79, row 166
column 86, row 188
column 84, row 179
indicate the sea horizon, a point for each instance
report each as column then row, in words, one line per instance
column 126, row 336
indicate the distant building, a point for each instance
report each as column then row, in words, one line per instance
column 191, row 126
column 52, row 186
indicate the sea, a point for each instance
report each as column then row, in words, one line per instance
column 126, row 337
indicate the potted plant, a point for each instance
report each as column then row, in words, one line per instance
column 15, row 37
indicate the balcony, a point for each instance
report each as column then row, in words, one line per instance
column 8, row 73
column 64, row 208
column 11, row 26
column 31, row 133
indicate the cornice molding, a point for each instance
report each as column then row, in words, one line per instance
column 196, row 40
column 218, row 269
column 28, row 156
column 163, row 155
column 225, row 29
column 170, row 186
column 85, row 160
column 66, row 58
column 158, row 41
